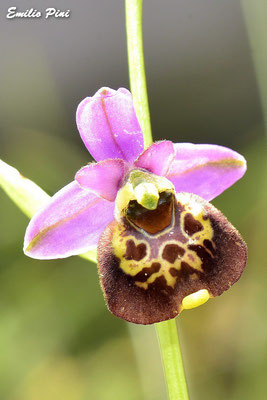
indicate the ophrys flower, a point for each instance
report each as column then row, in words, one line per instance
column 160, row 239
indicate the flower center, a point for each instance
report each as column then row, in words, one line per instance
column 143, row 196
column 152, row 220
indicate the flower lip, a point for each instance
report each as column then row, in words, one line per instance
column 146, row 277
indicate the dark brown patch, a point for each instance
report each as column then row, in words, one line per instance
column 143, row 275
column 160, row 284
column 184, row 272
column 191, row 225
column 201, row 252
column 152, row 221
column 171, row 252
column 134, row 252
column 173, row 271
column 208, row 244
column 186, row 268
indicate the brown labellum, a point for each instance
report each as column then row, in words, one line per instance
column 151, row 260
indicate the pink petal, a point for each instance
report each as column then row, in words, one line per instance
column 204, row 169
column 102, row 178
column 69, row 224
column 108, row 125
column 157, row 158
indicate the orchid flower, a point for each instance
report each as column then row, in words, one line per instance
column 159, row 239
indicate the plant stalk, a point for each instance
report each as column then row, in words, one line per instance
column 172, row 360
column 137, row 66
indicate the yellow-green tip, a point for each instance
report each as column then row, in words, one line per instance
column 147, row 195
column 195, row 299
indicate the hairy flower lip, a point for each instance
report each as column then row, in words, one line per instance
column 145, row 281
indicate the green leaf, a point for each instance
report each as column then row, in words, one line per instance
column 26, row 194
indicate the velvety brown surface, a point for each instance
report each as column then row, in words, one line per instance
column 221, row 269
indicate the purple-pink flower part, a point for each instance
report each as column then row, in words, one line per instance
column 108, row 125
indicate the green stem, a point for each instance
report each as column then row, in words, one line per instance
column 167, row 333
column 172, row 360
column 137, row 66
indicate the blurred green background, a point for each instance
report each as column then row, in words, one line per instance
column 57, row 339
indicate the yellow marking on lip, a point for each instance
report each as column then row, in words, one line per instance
column 195, row 299
column 133, row 267
column 196, row 264
column 119, row 244
column 164, row 271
